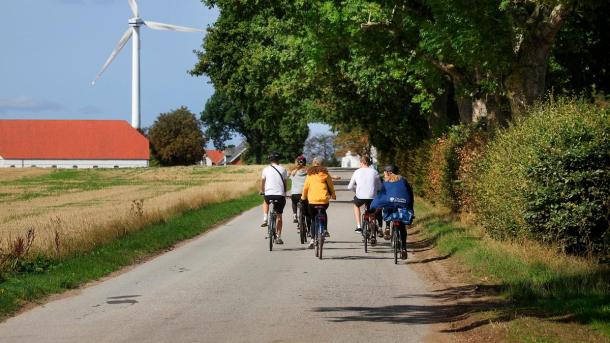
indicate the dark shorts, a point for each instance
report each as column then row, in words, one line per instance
column 280, row 202
column 360, row 202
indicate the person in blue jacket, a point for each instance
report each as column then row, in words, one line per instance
column 396, row 202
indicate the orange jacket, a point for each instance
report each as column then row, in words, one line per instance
column 318, row 187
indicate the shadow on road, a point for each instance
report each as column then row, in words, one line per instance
column 365, row 257
column 427, row 314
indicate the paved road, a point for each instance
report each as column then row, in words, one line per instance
column 227, row 287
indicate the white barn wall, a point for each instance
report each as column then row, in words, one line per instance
column 71, row 163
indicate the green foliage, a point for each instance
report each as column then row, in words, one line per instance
column 579, row 62
column 176, row 138
column 221, row 118
column 548, row 177
column 244, row 54
column 414, row 164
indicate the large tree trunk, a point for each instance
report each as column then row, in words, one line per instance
column 491, row 108
column 526, row 82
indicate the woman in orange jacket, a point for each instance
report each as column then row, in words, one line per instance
column 318, row 190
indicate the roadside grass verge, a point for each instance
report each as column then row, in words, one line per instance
column 543, row 288
column 50, row 277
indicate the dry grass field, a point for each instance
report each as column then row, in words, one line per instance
column 68, row 211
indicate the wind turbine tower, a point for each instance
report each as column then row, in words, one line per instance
column 135, row 23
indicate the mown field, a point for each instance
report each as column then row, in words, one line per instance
column 70, row 211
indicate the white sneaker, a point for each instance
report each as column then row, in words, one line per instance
column 311, row 244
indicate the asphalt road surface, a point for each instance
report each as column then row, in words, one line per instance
column 226, row 286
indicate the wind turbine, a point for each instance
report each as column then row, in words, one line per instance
column 134, row 30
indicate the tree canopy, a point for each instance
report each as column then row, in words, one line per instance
column 176, row 138
column 399, row 71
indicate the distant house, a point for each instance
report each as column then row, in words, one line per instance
column 235, row 154
column 231, row 156
column 72, row 144
column 214, row 158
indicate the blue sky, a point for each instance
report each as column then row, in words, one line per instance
column 52, row 50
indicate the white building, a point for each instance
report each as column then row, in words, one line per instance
column 72, row 144
column 351, row 160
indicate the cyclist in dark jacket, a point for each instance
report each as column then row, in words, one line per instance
column 396, row 202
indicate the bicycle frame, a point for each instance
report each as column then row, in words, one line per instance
column 302, row 223
column 396, row 238
column 271, row 223
column 319, row 226
column 369, row 226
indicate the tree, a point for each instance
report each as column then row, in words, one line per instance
column 176, row 138
column 221, row 119
column 321, row 145
column 243, row 57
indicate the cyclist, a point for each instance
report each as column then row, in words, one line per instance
column 365, row 183
column 395, row 196
column 318, row 190
column 298, row 175
column 273, row 187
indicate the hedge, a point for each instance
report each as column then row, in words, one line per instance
column 545, row 177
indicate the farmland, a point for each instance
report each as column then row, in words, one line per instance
column 70, row 211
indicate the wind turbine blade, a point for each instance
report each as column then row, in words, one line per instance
column 134, row 8
column 124, row 39
column 169, row 27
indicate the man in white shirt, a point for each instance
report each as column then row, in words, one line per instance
column 273, row 187
column 365, row 183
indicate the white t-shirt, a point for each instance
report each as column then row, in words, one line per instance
column 274, row 184
column 365, row 182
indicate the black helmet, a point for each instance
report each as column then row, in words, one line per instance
column 301, row 160
column 273, row 157
column 390, row 168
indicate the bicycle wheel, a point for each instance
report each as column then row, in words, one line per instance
column 315, row 236
column 301, row 224
column 271, row 226
column 321, row 240
column 365, row 234
column 373, row 231
column 320, row 232
column 396, row 243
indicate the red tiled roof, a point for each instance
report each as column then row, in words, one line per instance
column 215, row 155
column 71, row 139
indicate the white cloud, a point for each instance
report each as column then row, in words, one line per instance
column 23, row 104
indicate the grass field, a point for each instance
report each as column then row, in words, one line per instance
column 71, row 211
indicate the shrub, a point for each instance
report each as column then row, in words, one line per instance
column 439, row 169
column 414, row 164
column 548, row 177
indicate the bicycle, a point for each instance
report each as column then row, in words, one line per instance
column 301, row 222
column 369, row 228
column 318, row 230
column 395, row 238
column 271, row 223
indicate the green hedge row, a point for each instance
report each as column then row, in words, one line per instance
column 546, row 177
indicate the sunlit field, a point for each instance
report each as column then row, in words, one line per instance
column 68, row 211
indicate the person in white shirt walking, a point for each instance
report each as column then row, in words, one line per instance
column 365, row 183
column 273, row 187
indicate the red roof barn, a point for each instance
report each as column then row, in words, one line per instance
column 72, row 143
column 215, row 157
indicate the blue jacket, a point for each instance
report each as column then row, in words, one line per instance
column 393, row 195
